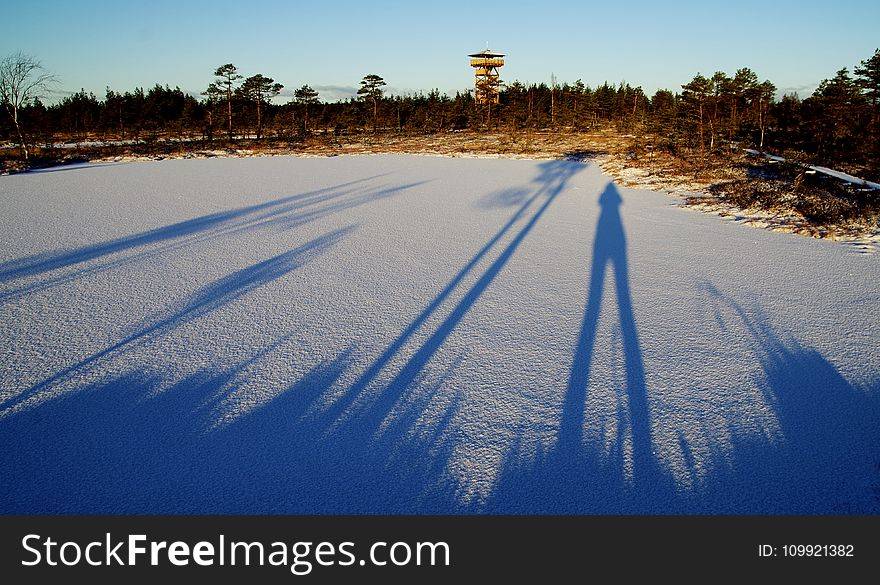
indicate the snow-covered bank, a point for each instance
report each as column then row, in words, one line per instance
column 416, row 334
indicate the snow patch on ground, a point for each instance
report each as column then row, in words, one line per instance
column 864, row 240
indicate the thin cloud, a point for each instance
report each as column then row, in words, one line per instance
column 800, row 90
column 335, row 93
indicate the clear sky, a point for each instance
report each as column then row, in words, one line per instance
column 415, row 45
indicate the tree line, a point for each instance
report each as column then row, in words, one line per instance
column 838, row 124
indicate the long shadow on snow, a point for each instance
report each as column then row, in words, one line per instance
column 823, row 459
column 123, row 446
column 285, row 213
column 207, row 299
column 49, row 261
column 388, row 418
column 119, row 446
column 824, row 455
column 358, row 402
column 571, row 475
column 73, row 166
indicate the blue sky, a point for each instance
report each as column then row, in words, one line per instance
column 331, row 45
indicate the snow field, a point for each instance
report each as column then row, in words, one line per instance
column 402, row 334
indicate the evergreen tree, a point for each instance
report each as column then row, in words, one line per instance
column 695, row 94
column 833, row 110
column 79, row 113
column 717, row 103
column 743, row 82
column 227, row 76
column 868, row 78
column 305, row 96
column 113, row 112
column 662, row 116
column 787, row 113
column 371, row 89
column 760, row 99
column 260, row 89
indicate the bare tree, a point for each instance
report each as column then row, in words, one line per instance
column 22, row 80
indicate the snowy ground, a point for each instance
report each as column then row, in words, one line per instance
column 399, row 334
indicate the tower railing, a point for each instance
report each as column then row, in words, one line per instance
column 487, row 62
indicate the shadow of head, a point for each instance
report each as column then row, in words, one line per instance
column 557, row 172
column 610, row 198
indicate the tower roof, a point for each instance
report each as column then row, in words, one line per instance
column 487, row 54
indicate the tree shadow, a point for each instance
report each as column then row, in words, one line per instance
column 349, row 436
column 129, row 445
column 284, row 213
column 123, row 446
column 822, row 456
column 815, row 449
column 584, row 154
column 207, row 299
column 80, row 165
column 363, row 403
column 49, row 261
column 505, row 198
column 134, row 444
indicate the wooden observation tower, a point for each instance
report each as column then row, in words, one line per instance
column 488, row 80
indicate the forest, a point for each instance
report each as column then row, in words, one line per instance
column 838, row 125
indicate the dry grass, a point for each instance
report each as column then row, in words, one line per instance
column 754, row 192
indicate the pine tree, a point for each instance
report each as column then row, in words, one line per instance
column 789, row 121
column 305, row 96
column 663, row 113
column 834, row 108
column 695, row 94
column 227, row 76
column 868, row 78
column 760, row 99
column 720, row 88
column 260, row 89
column 371, row 89
column 744, row 81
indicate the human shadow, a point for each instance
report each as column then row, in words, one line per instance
column 798, row 438
column 572, row 475
column 609, row 251
column 342, row 436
